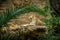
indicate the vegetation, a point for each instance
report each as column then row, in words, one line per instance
column 53, row 23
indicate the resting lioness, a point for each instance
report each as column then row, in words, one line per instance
column 28, row 24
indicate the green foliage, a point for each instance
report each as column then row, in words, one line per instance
column 12, row 13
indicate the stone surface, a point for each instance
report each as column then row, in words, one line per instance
column 27, row 22
column 28, row 25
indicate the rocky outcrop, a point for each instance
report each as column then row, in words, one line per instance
column 28, row 24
